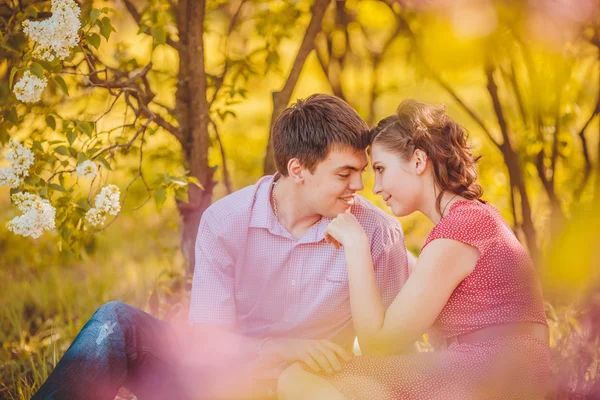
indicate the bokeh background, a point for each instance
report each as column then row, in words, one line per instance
column 190, row 89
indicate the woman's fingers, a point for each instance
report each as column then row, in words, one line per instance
column 307, row 359
column 322, row 360
column 339, row 350
column 331, row 240
column 331, row 357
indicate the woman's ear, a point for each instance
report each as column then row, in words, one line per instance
column 295, row 170
column 420, row 161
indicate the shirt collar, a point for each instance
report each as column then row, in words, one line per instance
column 264, row 217
column 262, row 211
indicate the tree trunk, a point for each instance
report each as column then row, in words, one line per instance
column 281, row 99
column 193, row 115
column 515, row 171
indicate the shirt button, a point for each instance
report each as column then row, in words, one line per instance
column 293, row 282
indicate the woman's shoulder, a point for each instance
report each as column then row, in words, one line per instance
column 467, row 212
column 467, row 221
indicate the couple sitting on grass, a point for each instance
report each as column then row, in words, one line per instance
column 290, row 270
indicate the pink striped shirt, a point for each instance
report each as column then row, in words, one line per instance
column 252, row 273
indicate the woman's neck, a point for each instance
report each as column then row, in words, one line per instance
column 430, row 208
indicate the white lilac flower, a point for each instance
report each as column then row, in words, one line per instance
column 56, row 35
column 20, row 157
column 29, row 88
column 107, row 201
column 38, row 215
column 9, row 178
column 95, row 217
column 87, row 169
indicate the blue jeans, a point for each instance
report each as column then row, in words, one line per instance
column 119, row 346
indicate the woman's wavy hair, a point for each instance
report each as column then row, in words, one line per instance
column 417, row 125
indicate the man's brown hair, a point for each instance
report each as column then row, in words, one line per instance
column 309, row 129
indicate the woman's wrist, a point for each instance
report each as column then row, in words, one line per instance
column 358, row 244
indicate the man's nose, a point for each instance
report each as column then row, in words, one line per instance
column 357, row 183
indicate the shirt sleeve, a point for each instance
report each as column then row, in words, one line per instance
column 473, row 226
column 390, row 261
column 213, row 292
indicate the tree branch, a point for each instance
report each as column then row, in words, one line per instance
column 586, row 154
column 221, row 79
column 137, row 17
column 226, row 178
column 128, row 144
column 282, row 98
column 440, row 81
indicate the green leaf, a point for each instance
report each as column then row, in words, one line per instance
column 37, row 70
column 57, row 187
column 104, row 163
column 57, row 68
column 61, row 84
column 195, row 181
column 81, row 158
column 44, row 191
column 31, row 12
column 4, row 137
column 37, row 145
column 71, row 136
column 11, row 116
column 90, row 152
column 13, row 71
column 181, row 194
column 94, row 14
column 159, row 35
column 106, row 28
column 65, row 233
column 62, row 150
column 86, row 127
column 32, row 179
column 83, row 204
column 51, row 122
column 94, row 39
column 160, row 196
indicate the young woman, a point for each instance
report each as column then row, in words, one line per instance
column 473, row 290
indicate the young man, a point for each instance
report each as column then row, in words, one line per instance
column 267, row 289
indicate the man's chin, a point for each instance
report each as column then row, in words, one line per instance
column 332, row 213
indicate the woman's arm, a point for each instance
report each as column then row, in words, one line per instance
column 442, row 265
column 440, row 268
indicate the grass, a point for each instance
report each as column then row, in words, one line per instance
column 45, row 301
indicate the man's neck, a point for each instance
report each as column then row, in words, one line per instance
column 292, row 213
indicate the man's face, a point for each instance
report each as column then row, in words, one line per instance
column 331, row 188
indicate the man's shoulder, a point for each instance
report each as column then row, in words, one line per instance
column 235, row 207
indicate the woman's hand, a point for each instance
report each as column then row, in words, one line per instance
column 344, row 230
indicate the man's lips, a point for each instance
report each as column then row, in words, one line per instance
column 349, row 200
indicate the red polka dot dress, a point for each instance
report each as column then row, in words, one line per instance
column 501, row 289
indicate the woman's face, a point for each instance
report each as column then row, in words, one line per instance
column 397, row 181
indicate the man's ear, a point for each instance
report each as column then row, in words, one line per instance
column 295, row 170
column 420, row 161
